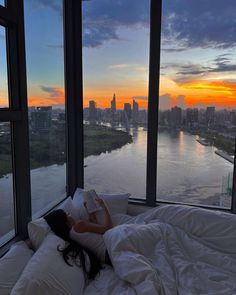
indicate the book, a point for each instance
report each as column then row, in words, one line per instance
column 91, row 203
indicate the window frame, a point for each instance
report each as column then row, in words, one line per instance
column 12, row 18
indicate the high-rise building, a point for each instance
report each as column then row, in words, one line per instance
column 41, row 119
column 210, row 116
column 191, row 117
column 127, row 110
column 113, row 104
column 233, row 117
column 176, row 117
column 135, row 112
column 92, row 111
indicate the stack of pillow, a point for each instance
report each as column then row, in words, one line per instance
column 45, row 272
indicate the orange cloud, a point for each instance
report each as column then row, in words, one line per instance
column 219, row 93
column 207, row 92
column 55, row 96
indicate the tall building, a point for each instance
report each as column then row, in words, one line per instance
column 135, row 112
column 210, row 116
column 127, row 110
column 113, row 104
column 176, row 117
column 233, row 117
column 92, row 111
column 191, row 117
column 41, row 119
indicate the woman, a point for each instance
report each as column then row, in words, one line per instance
column 84, row 237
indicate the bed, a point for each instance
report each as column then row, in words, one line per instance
column 167, row 250
column 171, row 250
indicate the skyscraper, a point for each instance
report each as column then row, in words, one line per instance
column 113, row 104
column 135, row 112
column 176, row 117
column 210, row 116
column 41, row 119
column 127, row 110
column 92, row 111
column 191, row 117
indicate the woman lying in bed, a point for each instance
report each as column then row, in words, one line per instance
column 83, row 236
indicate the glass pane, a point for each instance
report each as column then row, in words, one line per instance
column 197, row 102
column 116, row 55
column 45, row 73
column 4, row 102
column 2, row 2
column 7, row 228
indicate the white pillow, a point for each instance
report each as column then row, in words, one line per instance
column 69, row 207
column 38, row 229
column 48, row 274
column 12, row 264
column 117, row 204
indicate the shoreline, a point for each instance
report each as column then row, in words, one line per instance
column 225, row 156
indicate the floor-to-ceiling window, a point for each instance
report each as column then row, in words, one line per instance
column 6, row 181
column 197, row 117
column 115, row 75
column 197, row 104
column 46, row 102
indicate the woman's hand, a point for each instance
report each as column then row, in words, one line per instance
column 92, row 216
column 101, row 203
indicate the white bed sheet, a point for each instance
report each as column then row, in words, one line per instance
column 170, row 250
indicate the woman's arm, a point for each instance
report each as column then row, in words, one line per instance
column 85, row 226
column 92, row 216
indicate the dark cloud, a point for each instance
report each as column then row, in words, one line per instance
column 201, row 23
column 185, row 23
column 55, row 93
column 165, row 101
column 102, row 19
column 180, row 101
column 188, row 72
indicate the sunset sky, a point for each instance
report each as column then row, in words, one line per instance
column 198, row 63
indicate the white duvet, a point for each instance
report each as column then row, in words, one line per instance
column 171, row 250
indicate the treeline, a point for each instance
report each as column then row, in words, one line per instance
column 49, row 148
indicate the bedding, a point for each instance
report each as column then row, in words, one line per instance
column 171, row 250
column 12, row 265
column 38, row 228
column 168, row 250
column 48, row 274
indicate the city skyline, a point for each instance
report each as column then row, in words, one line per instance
column 198, row 67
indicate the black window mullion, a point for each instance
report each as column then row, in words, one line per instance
column 7, row 16
column 7, row 115
column 20, row 134
column 74, row 93
column 153, row 101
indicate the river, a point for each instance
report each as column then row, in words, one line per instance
column 187, row 172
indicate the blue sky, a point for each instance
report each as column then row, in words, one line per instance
column 198, row 62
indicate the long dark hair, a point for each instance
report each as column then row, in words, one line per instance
column 57, row 220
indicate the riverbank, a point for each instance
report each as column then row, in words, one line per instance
column 100, row 139
column 225, row 156
column 215, row 139
column 49, row 148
